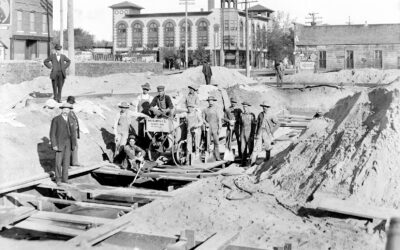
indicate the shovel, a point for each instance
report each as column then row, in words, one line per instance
column 229, row 155
column 209, row 156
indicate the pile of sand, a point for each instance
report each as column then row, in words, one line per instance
column 353, row 152
column 363, row 76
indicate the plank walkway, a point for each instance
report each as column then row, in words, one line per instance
column 10, row 215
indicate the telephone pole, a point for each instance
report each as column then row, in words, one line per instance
column 186, row 3
column 247, row 37
column 62, row 25
column 314, row 19
column 71, row 38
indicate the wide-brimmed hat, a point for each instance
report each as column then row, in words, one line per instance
column 66, row 105
column 146, row 86
column 192, row 87
column 124, row 105
column 57, row 47
column 211, row 98
column 71, row 99
column 131, row 137
column 246, row 103
column 265, row 104
column 160, row 88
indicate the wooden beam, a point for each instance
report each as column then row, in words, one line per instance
column 10, row 215
column 46, row 228
column 31, row 198
column 218, row 241
column 71, row 218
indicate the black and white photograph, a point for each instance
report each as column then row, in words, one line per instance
column 200, row 124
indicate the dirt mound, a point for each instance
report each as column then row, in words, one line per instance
column 353, row 152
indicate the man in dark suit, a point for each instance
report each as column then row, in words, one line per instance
column 75, row 132
column 58, row 63
column 207, row 72
column 62, row 142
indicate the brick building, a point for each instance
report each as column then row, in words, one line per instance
column 336, row 47
column 24, row 29
column 133, row 30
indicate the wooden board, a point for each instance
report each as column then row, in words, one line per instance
column 71, row 218
column 355, row 209
column 9, row 215
column 45, row 227
column 218, row 241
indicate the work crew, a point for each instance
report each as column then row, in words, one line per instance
column 194, row 123
column 234, row 113
column 212, row 121
column 134, row 154
column 58, row 63
column 122, row 127
column 75, row 132
column 247, row 122
column 207, row 72
column 279, row 71
column 62, row 142
column 162, row 105
column 143, row 99
column 192, row 98
column 266, row 126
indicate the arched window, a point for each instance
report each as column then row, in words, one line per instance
column 152, row 36
column 241, row 35
column 182, row 32
column 169, row 35
column 202, row 34
column 121, row 35
column 137, row 35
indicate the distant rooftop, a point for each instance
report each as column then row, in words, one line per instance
column 126, row 4
column 348, row 34
column 259, row 8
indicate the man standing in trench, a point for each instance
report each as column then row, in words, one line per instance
column 247, row 120
column 58, row 63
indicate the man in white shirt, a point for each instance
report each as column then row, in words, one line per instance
column 143, row 98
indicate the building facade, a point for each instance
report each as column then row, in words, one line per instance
column 220, row 31
column 24, row 29
column 336, row 47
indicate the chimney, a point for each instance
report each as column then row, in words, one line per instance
column 211, row 4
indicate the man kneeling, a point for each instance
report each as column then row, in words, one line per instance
column 134, row 155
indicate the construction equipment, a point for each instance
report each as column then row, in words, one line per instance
column 229, row 154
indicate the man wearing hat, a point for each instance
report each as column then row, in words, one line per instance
column 58, row 63
column 266, row 126
column 194, row 123
column 192, row 98
column 62, row 142
column 122, row 127
column 143, row 98
column 133, row 153
column 75, row 132
column 207, row 72
column 162, row 105
column 247, row 122
column 212, row 120
column 232, row 119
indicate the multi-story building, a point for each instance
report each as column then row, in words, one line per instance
column 336, row 47
column 220, row 31
column 24, row 29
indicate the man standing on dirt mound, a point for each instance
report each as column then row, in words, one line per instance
column 75, row 132
column 212, row 121
column 266, row 126
column 247, row 120
column 58, row 63
column 62, row 142
column 207, row 72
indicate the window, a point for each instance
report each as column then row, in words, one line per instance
column 258, row 37
column 182, row 32
column 233, row 25
column 121, row 35
column 378, row 59
column 253, row 36
column 349, row 59
column 19, row 20
column 32, row 22
column 264, row 37
column 226, row 25
column 169, row 35
column 202, row 34
column 241, row 35
column 137, row 35
column 322, row 59
column 44, row 23
column 152, row 35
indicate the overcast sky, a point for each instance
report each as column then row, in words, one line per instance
column 95, row 15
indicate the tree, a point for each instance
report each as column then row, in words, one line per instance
column 83, row 39
column 281, row 38
column 200, row 54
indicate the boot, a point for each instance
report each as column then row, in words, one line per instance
column 267, row 155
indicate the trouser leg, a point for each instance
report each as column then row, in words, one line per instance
column 60, row 86
column 238, row 141
column 205, row 77
column 58, row 167
column 244, row 148
column 267, row 155
column 216, row 144
column 197, row 138
column 55, row 91
column 208, row 80
column 66, row 161
column 74, row 156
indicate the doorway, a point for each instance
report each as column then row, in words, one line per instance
column 349, row 59
column 31, row 49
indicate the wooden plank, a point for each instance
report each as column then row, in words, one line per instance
column 95, row 235
column 46, row 228
column 72, row 218
column 34, row 199
column 218, row 241
column 9, row 215
column 45, row 176
column 355, row 209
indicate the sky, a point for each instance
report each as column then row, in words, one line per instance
column 95, row 16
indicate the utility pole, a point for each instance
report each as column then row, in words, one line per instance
column 71, row 38
column 247, row 37
column 186, row 3
column 349, row 22
column 48, row 27
column 62, row 25
column 314, row 19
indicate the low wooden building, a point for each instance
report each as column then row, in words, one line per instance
column 336, row 47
